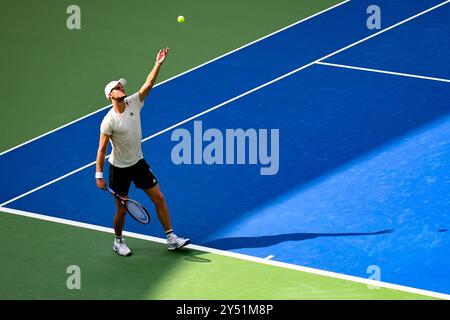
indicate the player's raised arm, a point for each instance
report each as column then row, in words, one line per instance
column 151, row 78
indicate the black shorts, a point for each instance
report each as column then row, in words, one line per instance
column 140, row 173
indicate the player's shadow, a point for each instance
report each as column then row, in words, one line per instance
column 266, row 241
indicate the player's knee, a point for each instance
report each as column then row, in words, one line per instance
column 121, row 210
column 158, row 199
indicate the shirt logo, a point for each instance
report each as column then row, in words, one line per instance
column 131, row 114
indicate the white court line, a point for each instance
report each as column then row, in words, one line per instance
column 382, row 71
column 241, row 95
column 183, row 73
column 47, row 184
column 384, row 30
column 236, row 255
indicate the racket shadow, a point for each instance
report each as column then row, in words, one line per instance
column 184, row 253
column 193, row 255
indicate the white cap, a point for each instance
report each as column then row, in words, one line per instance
column 112, row 84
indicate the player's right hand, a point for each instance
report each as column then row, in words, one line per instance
column 101, row 184
column 161, row 56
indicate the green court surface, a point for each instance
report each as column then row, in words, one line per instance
column 36, row 254
column 53, row 75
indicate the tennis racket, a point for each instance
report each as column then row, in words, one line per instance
column 134, row 208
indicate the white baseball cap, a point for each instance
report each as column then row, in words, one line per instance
column 112, row 84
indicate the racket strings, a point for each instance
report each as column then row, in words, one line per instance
column 137, row 211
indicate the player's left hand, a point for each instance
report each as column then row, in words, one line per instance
column 161, row 56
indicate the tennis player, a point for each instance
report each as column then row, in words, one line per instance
column 122, row 127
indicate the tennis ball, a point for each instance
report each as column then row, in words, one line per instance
column 180, row 19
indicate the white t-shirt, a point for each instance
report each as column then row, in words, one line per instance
column 125, row 133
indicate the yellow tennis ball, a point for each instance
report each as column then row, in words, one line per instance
column 180, row 19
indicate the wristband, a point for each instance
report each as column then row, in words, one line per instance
column 99, row 175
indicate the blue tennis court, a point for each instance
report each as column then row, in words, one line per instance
column 364, row 129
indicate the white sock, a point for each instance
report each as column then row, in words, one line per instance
column 169, row 233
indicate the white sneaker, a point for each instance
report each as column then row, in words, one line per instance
column 174, row 242
column 121, row 247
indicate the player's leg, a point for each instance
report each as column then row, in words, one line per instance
column 119, row 217
column 162, row 210
column 120, row 182
column 173, row 241
column 145, row 179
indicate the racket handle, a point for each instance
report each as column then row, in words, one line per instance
column 122, row 200
column 116, row 195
